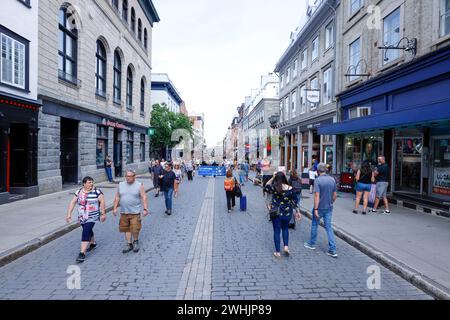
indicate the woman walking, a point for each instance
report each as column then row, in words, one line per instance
column 283, row 204
column 312, row 177
column 364, row 178
column 229, row 185
column 296, row 183
column 178, row 178
column 90, row 202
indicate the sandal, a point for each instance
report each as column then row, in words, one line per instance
column 287, row 253
column 277, row 255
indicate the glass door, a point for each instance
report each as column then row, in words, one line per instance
column 408, row 164
column 441, row 168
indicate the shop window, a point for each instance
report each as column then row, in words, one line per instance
column 102, row 145
column 441, row 167
column 130, row 146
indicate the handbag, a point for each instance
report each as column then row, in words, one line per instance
column 273, row 213
column 237, row 191
column 372, row 194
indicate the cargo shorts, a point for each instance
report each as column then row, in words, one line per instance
column 130, row 223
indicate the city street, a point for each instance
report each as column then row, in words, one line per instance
column 200, row 252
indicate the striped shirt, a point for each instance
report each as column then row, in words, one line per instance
column 88, row 205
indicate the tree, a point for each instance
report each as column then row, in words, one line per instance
column 165, row 123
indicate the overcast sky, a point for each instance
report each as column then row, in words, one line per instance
column 215, row 51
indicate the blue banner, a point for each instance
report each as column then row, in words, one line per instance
column 211, row 171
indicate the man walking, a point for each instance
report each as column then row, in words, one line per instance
column 167, row 185
column 324, row 196
column 108, row 168
column 381, row 174
column 189, row 169
column 157, row 171
column 132, row 197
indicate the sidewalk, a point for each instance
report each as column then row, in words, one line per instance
column 28, row 224
column 414, row 245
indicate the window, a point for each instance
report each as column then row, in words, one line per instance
column 445, row 17
column 130, row 144
column 314, row 86
column 26, row 2
column 142, row 96
column 315, row 49
column 286, row 108
column 142, row 147
column 133, row 20
column 304, row 59
column 327, row 86
column 115, row 4
column 295, row 70
column 145, row 38
column 13, row 62
column 102, row 145
column 358, row 112
column 117, row 78
column 100, row 75
column 294, row 103
column 67, row 43
column 288, row 75
column 129, row 88
column 391, row 36
column 354, row 58
column 125, row 10
column 282, row 80
column 303, row 99
column 281, row 111
column 329, row 35
column 355, row 5
column 140, row 30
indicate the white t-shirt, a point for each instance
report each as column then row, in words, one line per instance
column 312, row 175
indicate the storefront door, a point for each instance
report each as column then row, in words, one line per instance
column 117, row 152
column 69, row 151
column 441, row 168
column 408, row 164
column 18, row 154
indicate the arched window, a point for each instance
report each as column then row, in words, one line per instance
column 125, row 10
column 145, row 38
column 100, row 75
column 117, row 77
column 133, row 20
column 115, row 4
column 142, row 96
column 67, row 46
column 139, row 30
column 129, row 88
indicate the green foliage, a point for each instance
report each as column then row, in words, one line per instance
column 165, row 123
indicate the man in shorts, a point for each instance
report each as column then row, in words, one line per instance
column 382, row 178
column 132, row 197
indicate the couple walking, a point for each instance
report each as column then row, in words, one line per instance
column 168, row 181
column 90, row 201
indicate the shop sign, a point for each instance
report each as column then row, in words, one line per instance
column 115, row 124
column 441, row 184
column 313, row 96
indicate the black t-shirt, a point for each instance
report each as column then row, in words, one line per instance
column 383, row 173
column 365, row 178
column 168, row 180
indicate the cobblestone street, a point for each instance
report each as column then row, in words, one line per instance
column 200, row 252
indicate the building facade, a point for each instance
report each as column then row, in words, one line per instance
column 307, row 88
column 19, row 106
column 94, row 82
column 164, row 91
column 394, row 98
column 199, row 143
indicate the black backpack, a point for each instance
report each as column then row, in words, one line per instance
column 296, row 185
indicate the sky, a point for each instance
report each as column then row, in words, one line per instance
column 215, row 51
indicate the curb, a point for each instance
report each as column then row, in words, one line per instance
column 406, row 272
column 30, row 246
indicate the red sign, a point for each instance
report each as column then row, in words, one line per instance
column 19, row 104
column 115, row 124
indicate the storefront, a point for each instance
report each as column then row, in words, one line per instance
column 18, row 147
column 407, row 120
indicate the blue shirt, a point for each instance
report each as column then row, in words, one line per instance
column 326, row 186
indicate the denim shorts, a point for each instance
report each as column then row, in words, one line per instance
column 382, row 189
column 360, row 187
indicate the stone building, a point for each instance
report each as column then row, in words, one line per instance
column 94, row 82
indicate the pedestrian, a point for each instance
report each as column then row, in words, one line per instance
column 178, row 179
column 364, row 178
column 189, row 169
column 312, row 177
column 247, row 169
column 91, row 208
column 132, row 198
column 108, row 168
column 150, row 166
column 167, row 186
column 241, row 174
column 282, row 207
column 325, row 194
column 296, row 183
column 266, row 173
column 157, row 171
column 229, row 186
column 381, row 175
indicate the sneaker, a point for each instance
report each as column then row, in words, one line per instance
column 136, row 246
column 81, row 257
column 156, row 195
column 355, row 211
column 364, row 213
column 169, row 212
column 387, row 212
column 308, row 246
column 91, row 247
column 332, row 254
column 128, row 248
column 229, row 211
column 373, row 211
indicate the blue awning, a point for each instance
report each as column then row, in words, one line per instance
column 412, row 116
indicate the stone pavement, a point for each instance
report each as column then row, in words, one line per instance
column 415, row 241
column 200, row 236
column 26, row 223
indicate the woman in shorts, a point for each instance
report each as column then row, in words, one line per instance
column 364, row 178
